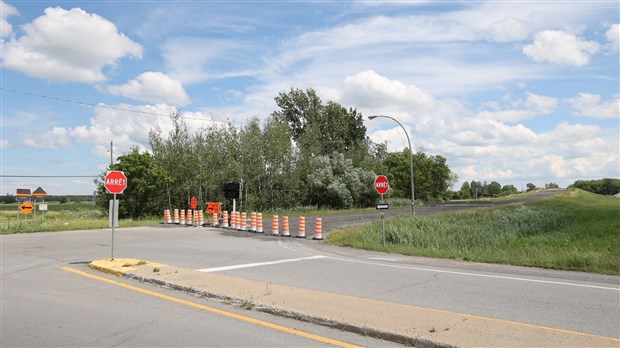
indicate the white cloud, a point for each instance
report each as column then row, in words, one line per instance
column 508, row 29
column 53, row 139
column 153, row 87
column 560, row 47
column 613, row 36
column 540, row 104
column 6, row 11
column 193, row 60
column 535, row 105
column 4, row 144
column 508, row 115
column 590, row 105
column 371, row 90
column 126, row 125
column 68, row 46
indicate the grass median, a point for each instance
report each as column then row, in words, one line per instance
column 576, row 231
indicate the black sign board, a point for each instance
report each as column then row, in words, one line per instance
column 383, row 206
column 231, row 190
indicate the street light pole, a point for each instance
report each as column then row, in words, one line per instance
column 410, row 158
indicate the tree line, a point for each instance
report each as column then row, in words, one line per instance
column 306, row 153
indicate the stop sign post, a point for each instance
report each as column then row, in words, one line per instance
column 382, row 185
column 115, row 182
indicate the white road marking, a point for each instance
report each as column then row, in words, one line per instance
column 258, row 264
column 477, row 274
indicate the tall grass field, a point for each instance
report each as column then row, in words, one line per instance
column 577, row 231
column 60, row 217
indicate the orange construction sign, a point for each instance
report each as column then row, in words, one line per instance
column 26, row 208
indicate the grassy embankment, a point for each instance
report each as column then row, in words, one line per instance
column 61, row 217
column 577, row 231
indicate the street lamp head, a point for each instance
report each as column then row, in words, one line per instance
column 372, row 117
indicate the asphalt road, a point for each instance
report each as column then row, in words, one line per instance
column 44, row 305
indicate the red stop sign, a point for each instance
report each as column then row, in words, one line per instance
column 115, row 181
column 382, row 185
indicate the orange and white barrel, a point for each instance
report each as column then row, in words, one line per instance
column 259, row 222
column 318, row 229
column 176, row 216
column 167, row 219
column 275, row 227
column 253, row 222
column 188, row 219
column 243, row 222
column 182, row 217
column 285, row 230
column 225, row 219
column 301, row 229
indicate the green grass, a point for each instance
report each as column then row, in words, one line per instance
column 61, row 217
column 576, row 231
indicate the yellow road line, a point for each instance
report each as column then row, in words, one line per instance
column 216, row 311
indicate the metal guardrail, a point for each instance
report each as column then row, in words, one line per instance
column 467, row 204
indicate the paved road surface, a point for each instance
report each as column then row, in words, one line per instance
column 43, row 305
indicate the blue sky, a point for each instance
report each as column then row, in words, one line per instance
column 514, row 92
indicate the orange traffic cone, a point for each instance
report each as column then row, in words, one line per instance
column 275, row 228
column 301, row 230
column 188, row 220
column 253, row 222
column 214, row 221
column 259, row 222
column 225, row 219
column 318, row 229
column 242, row 224
column 201, row 218
column 285, row 231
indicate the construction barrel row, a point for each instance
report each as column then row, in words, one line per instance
column 240, row 221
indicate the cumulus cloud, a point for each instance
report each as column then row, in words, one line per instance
column 613, row 36
column 560, row 47
column 127, row 125
column 540, row 104
column 153, row 87
column 4, row 144
column 590, row 105
column 6, row 11
column 508, row 29
column 53, row 139
column 535, row 105
column 369, row 89
column 68, row 46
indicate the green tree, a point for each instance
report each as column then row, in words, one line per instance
column 335, row 182
column 317, row 128
column 175, row 155
column 494, row 189
column 530, row 187
column 465, row 191
column 9, row 198
column 145, row 182
column 432, row 176
column 509, row 190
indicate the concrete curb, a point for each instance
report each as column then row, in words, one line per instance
column 240, row 302
column 400, row 323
